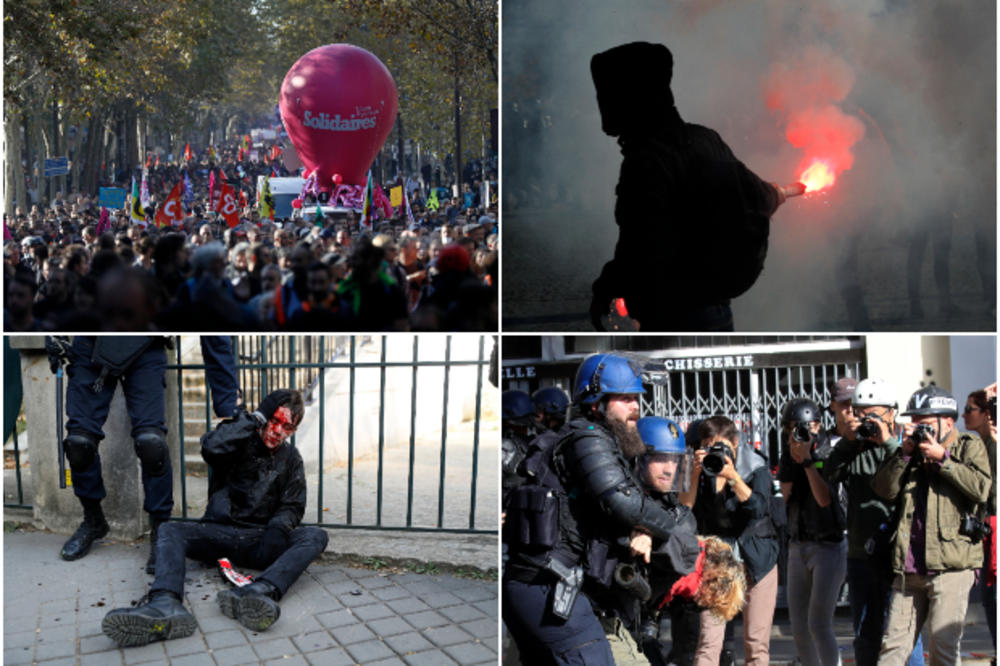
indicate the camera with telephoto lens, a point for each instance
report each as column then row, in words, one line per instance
column 974, row 528
column 802, row 433
column 921, row 433
column 715, row 459
column 868, row 429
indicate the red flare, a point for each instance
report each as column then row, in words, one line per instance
column 818, row 176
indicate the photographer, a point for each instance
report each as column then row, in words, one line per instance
column 816, row 551
column 870, row 520
column 730, row 495
column 981, row 417
column 937, row 477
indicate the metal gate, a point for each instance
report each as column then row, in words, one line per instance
column 448, row 480
column 753, row 397
column 408, row 460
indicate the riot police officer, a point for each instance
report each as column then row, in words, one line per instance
column 564, row 522
column 551, row 406
column 517, row 429
column 96, row 365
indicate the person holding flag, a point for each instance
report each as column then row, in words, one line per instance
column 368, row 210
column 136, row 212
column 266, row 201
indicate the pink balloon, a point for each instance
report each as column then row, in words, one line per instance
column 338, row 104
column 337, row 179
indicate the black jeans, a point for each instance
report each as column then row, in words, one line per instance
column 210, row 541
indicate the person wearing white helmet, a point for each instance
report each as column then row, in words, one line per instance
column 868, row 406
column 938, row 478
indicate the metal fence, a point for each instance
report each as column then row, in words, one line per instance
column 753, row 398
column 265, row 363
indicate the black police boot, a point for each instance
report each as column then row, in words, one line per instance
column 153, row 534
column 162, row 618
column 93, row 527
column 255, row 606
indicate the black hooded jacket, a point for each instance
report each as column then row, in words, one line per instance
column 250, row 485
column 693, row 220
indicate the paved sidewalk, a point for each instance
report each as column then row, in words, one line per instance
column 333, row 615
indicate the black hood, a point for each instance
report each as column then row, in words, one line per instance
column 633, row 88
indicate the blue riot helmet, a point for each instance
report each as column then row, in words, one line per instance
column 551, row 404
column 517, row 408
column 603, row 374
column 666, row 467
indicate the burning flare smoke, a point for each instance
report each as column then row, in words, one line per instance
column 806, row 93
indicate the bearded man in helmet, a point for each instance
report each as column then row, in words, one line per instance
column 581, row 498
column 938, row 478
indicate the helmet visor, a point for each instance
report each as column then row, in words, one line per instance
column 666, row 472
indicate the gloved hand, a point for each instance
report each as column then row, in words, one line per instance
column 57, row 347
column 272, row 544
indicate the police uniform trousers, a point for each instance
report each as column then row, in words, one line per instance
column 220, row 371
column 208, row 542
column 550, row 639
column 143, row 383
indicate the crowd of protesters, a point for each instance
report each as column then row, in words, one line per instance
column 434, row 268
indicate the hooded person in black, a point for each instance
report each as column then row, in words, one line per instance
column 681, row 189
column 257, row 497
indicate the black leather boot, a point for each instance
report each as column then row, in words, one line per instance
column 162, row 618
column 94, row 527
column 255, row 606
column 153, row 535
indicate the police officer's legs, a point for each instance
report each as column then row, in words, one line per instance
column 144, row 398
column 86, row 410
column 577, row 640
column 220, row 371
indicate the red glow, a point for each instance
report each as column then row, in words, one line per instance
column 818, row 176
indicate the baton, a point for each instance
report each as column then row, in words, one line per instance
column 59, row 426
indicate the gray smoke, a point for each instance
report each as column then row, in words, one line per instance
column 919, row 79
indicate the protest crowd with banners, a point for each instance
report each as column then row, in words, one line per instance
column 190, row 243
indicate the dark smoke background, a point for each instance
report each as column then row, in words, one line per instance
column 920, row 76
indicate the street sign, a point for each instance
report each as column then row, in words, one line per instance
column 57, row 166
column 112, row 197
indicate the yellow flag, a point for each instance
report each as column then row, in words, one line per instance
column 396, row 196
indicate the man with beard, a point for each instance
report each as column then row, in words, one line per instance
column 565, row 524
column 681, row 185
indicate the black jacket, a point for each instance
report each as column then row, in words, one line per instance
column 682, row 195
column 807, row 520
column 747, row 524
column 251, row 486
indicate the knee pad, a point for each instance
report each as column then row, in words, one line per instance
column 152, row 450
column 80, row 449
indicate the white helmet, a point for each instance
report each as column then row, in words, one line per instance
column 874, row 393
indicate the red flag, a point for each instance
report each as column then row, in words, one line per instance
column 105, row 222
column 239, row 155
column 243, row 199
column 275, row 152
column 171, row 210
column 187, row 152
column 211, row 189
column 157, row 163
column 149, row 159
column 227, row 205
